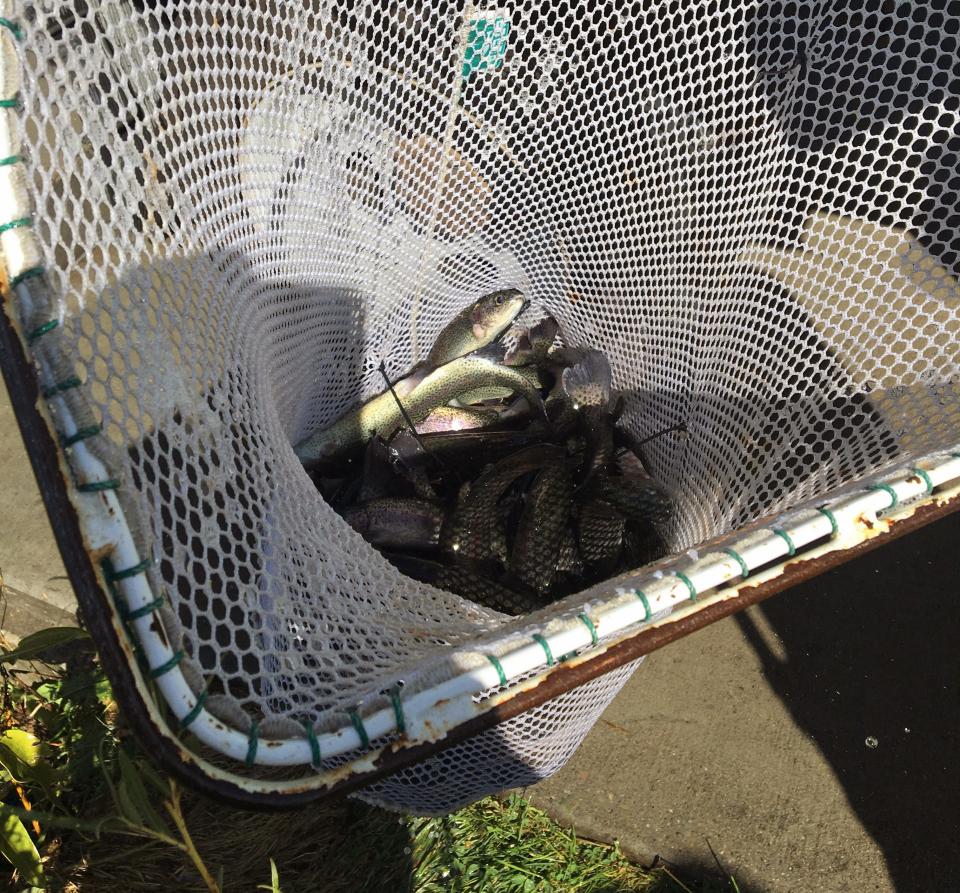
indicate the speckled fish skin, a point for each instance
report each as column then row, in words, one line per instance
column 381, row 415
column 533, row 344
column 600, row 533
column 546, row 514
column 456, row 418
column 637, row 497
column 642, row 544
column 474, row 532
column 397, row 523
column 476, row 326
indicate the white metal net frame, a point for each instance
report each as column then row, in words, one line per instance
column 767, row 292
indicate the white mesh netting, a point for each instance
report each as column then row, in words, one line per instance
column 244, row 207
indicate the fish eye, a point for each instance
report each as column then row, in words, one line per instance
column 500, row 298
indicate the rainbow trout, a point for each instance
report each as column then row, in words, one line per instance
column 382, row 415
column 391, row 523
column 473, row 328
column 474, row 532
column 543, row 524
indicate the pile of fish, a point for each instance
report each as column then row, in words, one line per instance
column 498, row 474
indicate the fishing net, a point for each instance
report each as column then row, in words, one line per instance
column 239, row 210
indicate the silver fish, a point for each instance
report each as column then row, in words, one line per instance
column 382, row 415
column 473, row 328
column 392, row 523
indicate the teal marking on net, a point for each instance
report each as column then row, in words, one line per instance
column 499, row 668
column 832, row 518
column 252, row 744
column 588, row 623
column 688, row 583
column 166, row 666
column 314, row 745
column 487, row 43
column 359, row 727
column 194, row 711
column 791, row 548
column 640, row 594
column 736, row 556
column 545, row 645
column 894, row 499
column 920, row 473
column 398, row 710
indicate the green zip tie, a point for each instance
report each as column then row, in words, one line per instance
column 10, row 103
column 194, row 711
column 920, row 473
column 10, row 159
column 889, row 491
column 498, row 667
column 398, row 710
column 113, row 576
column 99, row 486
column 542, row 642
column 72, row 382
column 19, row 223
column 692, row 589
column 744, row 570
column 80, row 434
column 588, row 623
column 144, row 610
column 358, row 725
column 314, row 744
column 29, row 273
column 252, row 744
column 12, row 27
column 164, row 668
column 834, row 527
column 640, row 594
column 48, row 326
column 791, row 548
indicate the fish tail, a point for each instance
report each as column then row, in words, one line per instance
column 588, row 382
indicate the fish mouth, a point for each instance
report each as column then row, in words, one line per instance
column 524, row 306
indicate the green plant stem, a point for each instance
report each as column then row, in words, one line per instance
column 173, row 807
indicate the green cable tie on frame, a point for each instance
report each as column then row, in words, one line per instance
column 19, row 223
column 80, row 434
column 12, row 103
column 99, row 486
column 588, row 623
column 39, row 331
column 144, row 610
column 12, row 27
column 920, row 473
column 688, row 583
column 545, row 645
column 29, row 273
column 498, row 667
column 832, row 518
column 166, row 666
column 398, row 709
column 640, row 594
column 358, row 725
column 72, row 382
column 314, row 744
column 194, row 711
column 10, row 159
column 791, row 548
column 132, row 571
column 733, row 553
column 252, row 744
column 894, row 499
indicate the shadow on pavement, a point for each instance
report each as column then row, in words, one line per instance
column 871, row 672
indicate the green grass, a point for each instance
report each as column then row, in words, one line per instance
column 107, row 820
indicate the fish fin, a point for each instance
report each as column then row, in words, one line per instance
column 495, row 352
column 588, row 382
column 544, row 333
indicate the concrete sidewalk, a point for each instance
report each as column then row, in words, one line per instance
column 751, row 733
column 36, row 591
column 813, row 739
